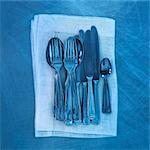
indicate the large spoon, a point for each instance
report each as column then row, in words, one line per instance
column 54, row 57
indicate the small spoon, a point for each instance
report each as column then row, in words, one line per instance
column 105, row 70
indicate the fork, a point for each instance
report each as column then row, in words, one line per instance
column 70, row 63
column 54, row 56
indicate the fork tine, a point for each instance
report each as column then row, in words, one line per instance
column 50, row 52
column 72, row 48
column 60, row 48
column 56, row 47
column 76, row 49
column 53, row 48
column 73, row 52
column 68, row 48
column 65, row 49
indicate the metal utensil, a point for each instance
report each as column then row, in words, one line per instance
column 96, row 65
column 78, row 80
column 106, row 69
column 54, row 57
column 70, row 63
column 89, row 72
column 82, row 82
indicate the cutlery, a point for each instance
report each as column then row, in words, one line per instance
column 96, row 60
column 78, row 86
column 89, row 72
column 54, row 57
column 105, row 70
column 82, row 83
column 70, row 63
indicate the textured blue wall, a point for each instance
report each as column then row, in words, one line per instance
column 17, row 92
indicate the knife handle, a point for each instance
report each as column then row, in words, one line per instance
column 90, row 99
column 106, row 106
column 84, row 105
column 97, row 105
column 68, row 100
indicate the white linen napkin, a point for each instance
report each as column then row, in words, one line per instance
column 44, row 27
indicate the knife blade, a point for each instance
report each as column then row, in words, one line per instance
column 95, row 50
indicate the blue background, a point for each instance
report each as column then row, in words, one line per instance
column 17, row 92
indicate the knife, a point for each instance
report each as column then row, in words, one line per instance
column 89, row 72
column 96, row 65
column 82, row 83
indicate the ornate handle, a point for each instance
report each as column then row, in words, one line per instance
column 106, row 106
column 90, row 100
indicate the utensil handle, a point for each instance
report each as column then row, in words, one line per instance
column 79, row 92
column 90, row 99
column 106, row 106
column 84, row 104
column 55, row 99
column 77, row 103
column 68, row 101
column 97, row 105
column 60, row 99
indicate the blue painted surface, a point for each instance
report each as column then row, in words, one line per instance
column 17, row 92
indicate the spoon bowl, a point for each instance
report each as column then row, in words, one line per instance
column 105, row 67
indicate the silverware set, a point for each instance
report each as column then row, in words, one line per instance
column 77, row 68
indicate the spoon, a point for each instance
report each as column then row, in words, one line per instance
column 54, row 57
column 105, row 70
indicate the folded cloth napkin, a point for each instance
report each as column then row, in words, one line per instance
column 44, row 27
